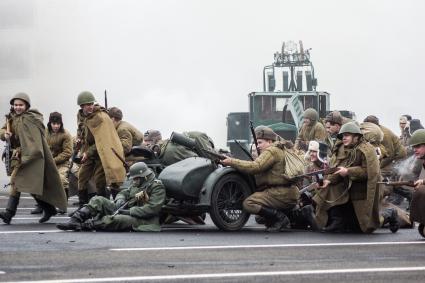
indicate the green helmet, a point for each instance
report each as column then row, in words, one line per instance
column 311, row 113
column 350, row 127
column 139, row 169
column 22, row 96
column 85, row 97
column 417, row 138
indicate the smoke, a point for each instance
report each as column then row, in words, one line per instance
column 408, row 169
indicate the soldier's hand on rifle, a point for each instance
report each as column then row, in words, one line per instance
column 342, row 171
column 419, row 183
column 227, row 161
column 325, row 184
column 142, row 197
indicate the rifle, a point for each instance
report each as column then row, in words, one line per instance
column 244, row 150
column 106, row 100
column 214, row 155
column 121, row 207
column 121, row 159
column 6, row 156
column 74, row 158
column 254, row 137
column 398, row 183
column 318, row 174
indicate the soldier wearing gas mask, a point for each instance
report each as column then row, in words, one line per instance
column 134, row 209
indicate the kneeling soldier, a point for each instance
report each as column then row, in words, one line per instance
column 135, row 209
column 276, row 192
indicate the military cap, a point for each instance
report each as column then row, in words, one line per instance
column 372, row 119
column 152, row 135
column 115, row 112
column 55, row 117
column 265, row 133
column 334, row 117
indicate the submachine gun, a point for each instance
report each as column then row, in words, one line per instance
column 398, row 183
column 7, row 152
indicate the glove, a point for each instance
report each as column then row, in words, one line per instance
column 142, row 197
column 124, row 211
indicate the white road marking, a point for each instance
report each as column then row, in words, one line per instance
column 32, row 231
column 267, row 246
column 2, row 272
column 229, row 275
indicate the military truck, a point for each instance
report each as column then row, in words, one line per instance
column 289, row 87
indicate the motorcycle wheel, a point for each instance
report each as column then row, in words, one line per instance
column 226, row 203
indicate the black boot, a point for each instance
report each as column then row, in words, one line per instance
column 76, row 220
column 391, row 218
column 421, row 230
column 37, row 209
column 11, row 208
column 48, row 211
column 309, row 216
column 83, row 198
column 275, row 219
column 336, row 221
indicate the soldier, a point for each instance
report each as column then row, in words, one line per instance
column 98, row 138
column 333, row 123
column 417, row 207
column 395, row 150
column 349, row 198
column 33, row 167
column 128, row 134
column 152, row 137
column 60, row 144
column 135, row 209
column 405, row 131
column 276, row 192
column 311, row 129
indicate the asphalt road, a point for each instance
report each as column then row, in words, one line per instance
column 32, row 252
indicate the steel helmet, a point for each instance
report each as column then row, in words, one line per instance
column 22, row 96
column 139, row 169
column 350, row 127
column 85, row 97
column 311, row 113
column 265, row 133
column 417, row 138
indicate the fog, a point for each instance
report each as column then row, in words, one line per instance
column 183, row 65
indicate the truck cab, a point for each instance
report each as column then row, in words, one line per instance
column 289, row 87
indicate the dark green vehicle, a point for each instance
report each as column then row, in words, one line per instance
column 198, row 185
column 289, row 87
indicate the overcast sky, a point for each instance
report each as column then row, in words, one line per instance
column 183, row 65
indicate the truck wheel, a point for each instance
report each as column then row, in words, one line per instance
column 226, row 203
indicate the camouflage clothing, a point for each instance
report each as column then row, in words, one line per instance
column 144, row 215
column 274, row 189
column 316, row 131
column 129, row 136
column 358, row 188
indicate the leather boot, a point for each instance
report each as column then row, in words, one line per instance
column 83, row 198
column 391, row 218
column 309, row 215
column 12, row 206
column 37, row 210
column 48, row 211
column 76, row 220
column 336, row 221
column 275, row 219
column 421, row 230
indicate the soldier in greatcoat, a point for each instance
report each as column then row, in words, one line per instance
column 33, row 167
column 311, row 130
